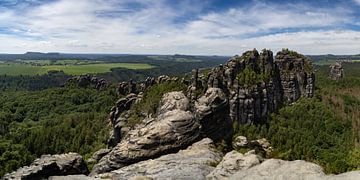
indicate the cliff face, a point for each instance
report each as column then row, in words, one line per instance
column 256, row 84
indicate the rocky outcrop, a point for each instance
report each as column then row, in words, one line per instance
column 118, row 118
column 98, row 155
column 125, row 88
column 233, row 162
column 212, row 111
column 195, row 162
column 261, row 146
column 51, row 165
column 174, row 128
column 257, row 85
column 336, row 71
column 88, row 81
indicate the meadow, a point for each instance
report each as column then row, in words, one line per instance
column 16, row 69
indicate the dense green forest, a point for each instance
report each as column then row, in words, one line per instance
column 51, row 121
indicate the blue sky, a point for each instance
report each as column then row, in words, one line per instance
column 179, row 26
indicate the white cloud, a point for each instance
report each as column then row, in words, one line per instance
column 112, row 27
column 357, row 1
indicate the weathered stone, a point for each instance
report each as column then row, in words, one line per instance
column 294, row 170
column 170, row 131
column 240, row 142
column 336, row 71
column 285, row 80
column 212, row 111
column 233, row 162
column 98, row 155
column 195, row 162
column 51, row 165
column 88, row 81
column 117, row 120
column 173, row 100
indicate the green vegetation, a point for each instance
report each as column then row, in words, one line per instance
column 151, row 99
column 307, row 130
column 249, row 77
column 324, row 129
column 14, row 69
column 52, row 121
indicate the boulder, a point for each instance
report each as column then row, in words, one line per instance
column 294, row 170
column 173, row 129
column 51, row 165
column 173, row 100
column 233, row 162
column 261, row 146
column 195, row 162
column 212, row 111
column 240, row 142
column 98, row 155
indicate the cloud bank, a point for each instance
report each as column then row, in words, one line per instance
column 161, row 27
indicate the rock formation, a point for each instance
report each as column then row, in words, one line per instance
column 295, row 170
column 212, row 111
column 88, row 81
column 195, row 162
column 175, row 127
column 233, row 162
column 336, row 71
column 118, row 119
column 257, row 85
column 51, row 165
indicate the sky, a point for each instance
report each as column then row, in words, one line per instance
column 198, row 27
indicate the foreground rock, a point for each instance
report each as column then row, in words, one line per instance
column 51, row 165
column 294, row 170
column 195, row 162
column 173, row 129
column 233, row 162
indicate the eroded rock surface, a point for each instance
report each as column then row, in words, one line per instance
column 88, row 81
column 336, row 71
column 233, row 162
column 257, row 84
column 51, row 165
column 173, row 129
column 212, row 110
column 195, row 162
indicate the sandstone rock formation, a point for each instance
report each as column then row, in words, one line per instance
column 118, row 119
column 336, row 71
column 51, row 165
column 195, row 162
column 172, row 129
column 125, row 88
column 212, row 111
column 284, row 170
column 257, row 85
column 88, row 81
column 233, row 162
column 98, row 155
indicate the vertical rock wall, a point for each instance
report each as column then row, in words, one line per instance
column 256, row 84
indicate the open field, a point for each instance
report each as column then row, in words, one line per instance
column 14, row 69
